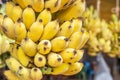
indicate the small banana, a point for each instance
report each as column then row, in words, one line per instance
column 50, row 30
column 44, row 47
column 73, row 69
column 54, row 59
column 8, row 27
column 27, row 2
column 45, row 15
column 63, row 3
column 19, row 30
column 35, row 31
column 68, row 54
column 60, row 69
column 59, row 43
column 39, row 60
column 29, row 47
column 1, row 21
column 38, row 5
column 20, row 2
column 54, row 5
column 28, row 16
column 23, row 59
column 36, row 74
column 66, row 29
column 46, row 70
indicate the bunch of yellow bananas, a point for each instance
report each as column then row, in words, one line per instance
column 48, row 38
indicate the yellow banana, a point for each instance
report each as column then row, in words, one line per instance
column 59, row 43
column 13, row 64
column 23, row 73
column 36, row 74
column 54, row 5
column 16, row 13
column 74, row 69
column 45, row 15
column 28, row 16
column 35, row 31
column 60, row 69
column 27, row 2
column 54, row 59
column 1, row 21
column 10, row 75
column 77, row 23
column 50, row 30
column 67, row 14
column 63, row 3
column 68, row 54
column 39, row 60
column 75, row 40
column 44, row 47
column 8, row 27
column 66, row 29
column 23, row 59
column 20, row 2
column 29, row 47
column 8, row 8
column 38, row 5
column 19, row 30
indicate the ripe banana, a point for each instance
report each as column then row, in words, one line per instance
column 54, row 5
column 1, row 21
column 13, row 64
column 36, row 74
column 74, row 69
column 75, row 40
column 39, row 60
column 68, row 54
column 23, row 59
column 20, row 2
column 38, row 5
column 45, row 15
column 28, row 2
column 66, row 29
column 50, row 30
column 67, row 14
column 8, row 27
column 60, row 69
column 28, row 16
column 29, row 47
column 8, row 8
column 19, row 30
column 54, row 59
column 59, row 43
column 44, row 47
column 10, row 75
column 35, row 31
column 63, row 3
column 16, row 12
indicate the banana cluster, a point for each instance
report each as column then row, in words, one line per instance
column 48, row 38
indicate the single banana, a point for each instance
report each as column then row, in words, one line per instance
column 35, row 31
column 44, row 47
column 28, row 2
column 16, row 12
column 28, row 16
column 23, row 73
column 66, row 29
column 29, row 47
column 8, row 8
column 10, row 75
column 20, row 2
column 38, row 5
column 68, row 54
column 50, row 30
column 74, row 69
column 13, row 64
column 77, row 23
column 1, row 21
column 75, row 40
column 36, row 74
column 39, row 60
column 54, row 5
column 60, row 69
column 19, row 30
column 8, row 27
column 59, row 43
column 23, row 59
column 46, row 70
column 54, row 59
column 45, row 15
column 63, row 3
column 67, row 14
